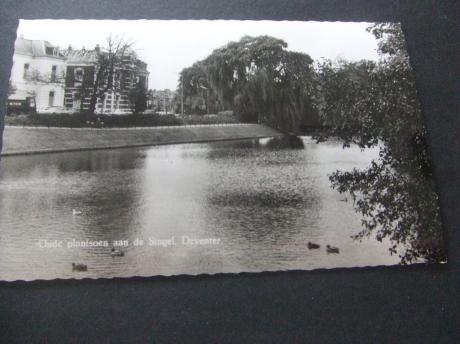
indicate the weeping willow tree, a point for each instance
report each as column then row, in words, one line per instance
column 192, row 81
column 376, row 105
column 257, row 78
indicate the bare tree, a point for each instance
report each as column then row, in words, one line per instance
column 106, row 77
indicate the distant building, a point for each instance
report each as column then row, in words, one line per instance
column 162, row 101
column 49, row 79
column 37, row 76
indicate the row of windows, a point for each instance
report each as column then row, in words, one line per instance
column 70, row 98
column 26, row 73
column 78, row 75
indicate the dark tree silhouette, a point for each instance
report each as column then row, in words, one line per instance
column 137, row 97
column 376, row 105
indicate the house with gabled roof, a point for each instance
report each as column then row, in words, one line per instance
column 37, row 76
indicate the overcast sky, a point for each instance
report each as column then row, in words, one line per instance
column 167, row 46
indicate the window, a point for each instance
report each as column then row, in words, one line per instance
column 26, row 70
column 51, row 98
column 53, row 73
column 78, row 75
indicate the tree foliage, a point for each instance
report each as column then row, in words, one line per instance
column 137, row 97
column 198, row 95
column 376, row 105
column 257, row 78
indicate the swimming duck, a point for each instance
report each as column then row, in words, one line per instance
column 331, row 249
column 117, row 253
column 312, row 246
column 76, row 212
column 79, row 267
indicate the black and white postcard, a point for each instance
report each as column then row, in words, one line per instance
column 149, row 147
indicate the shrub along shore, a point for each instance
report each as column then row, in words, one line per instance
column 30, row 140
column 117, row 121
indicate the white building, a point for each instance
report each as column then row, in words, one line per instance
column 38, row 75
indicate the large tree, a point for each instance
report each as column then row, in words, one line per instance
column 376, row 105
column 259, row 79
column 193, row 86
column 106, row 77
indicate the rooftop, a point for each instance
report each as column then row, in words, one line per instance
column 36, row 48
column 80, row 56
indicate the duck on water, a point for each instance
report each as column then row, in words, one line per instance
column 79, row 267
column 312, row 246
column 332, row 249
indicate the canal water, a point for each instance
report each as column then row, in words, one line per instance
column 249, row 205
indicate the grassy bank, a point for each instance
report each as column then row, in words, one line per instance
column 43, row 140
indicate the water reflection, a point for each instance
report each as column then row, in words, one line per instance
column 264, row 199
column 285, row 142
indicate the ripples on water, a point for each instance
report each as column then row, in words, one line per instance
column 265, row 199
